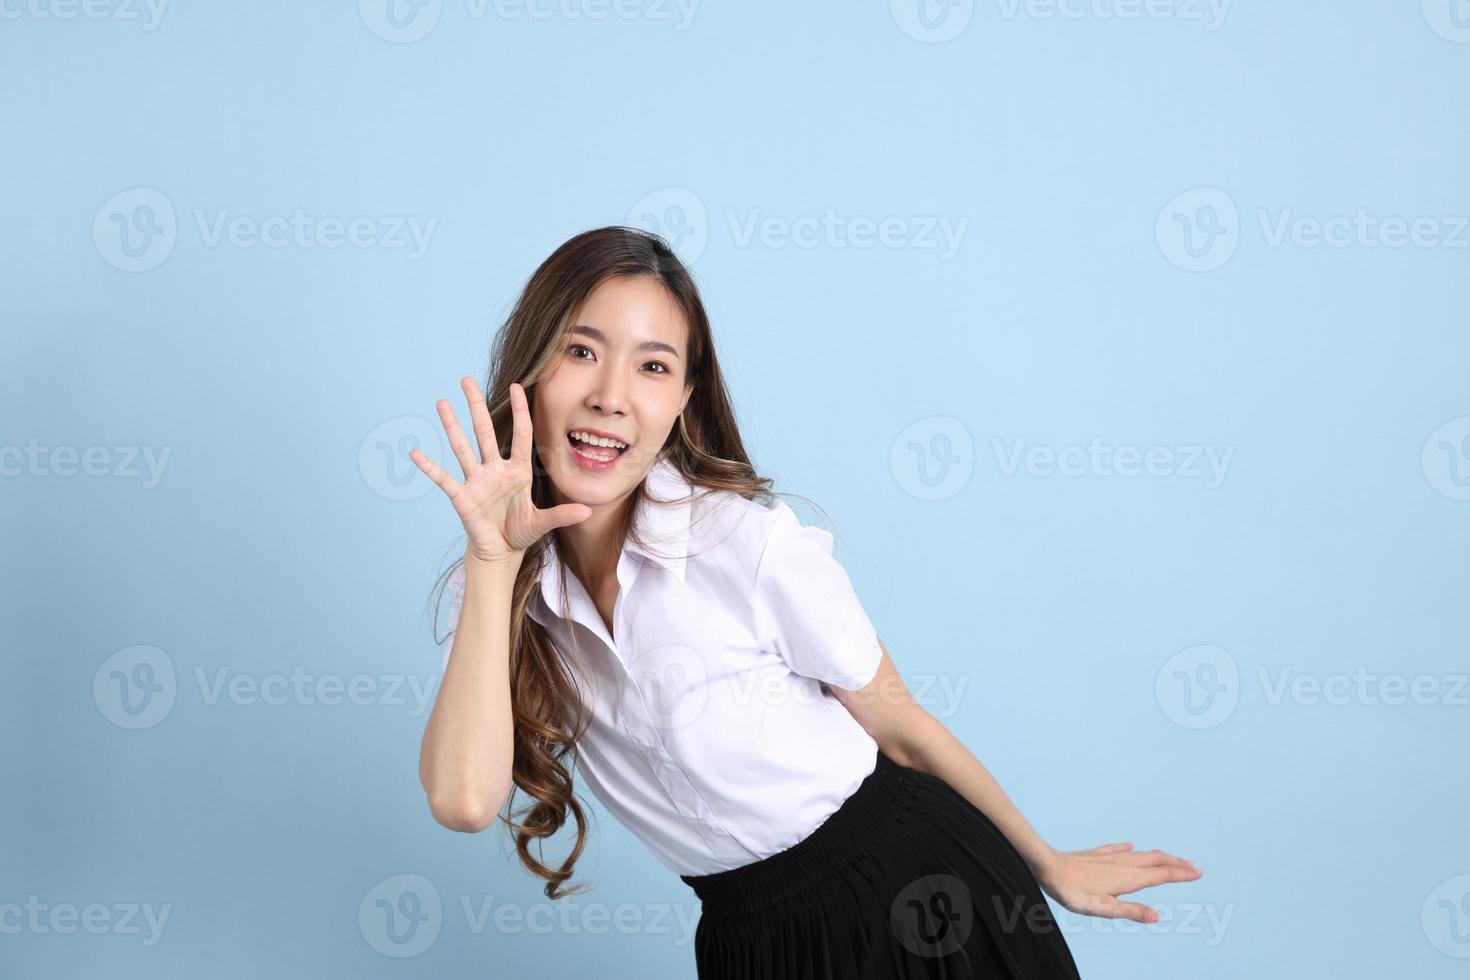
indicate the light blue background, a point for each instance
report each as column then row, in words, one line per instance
column 1331, row 835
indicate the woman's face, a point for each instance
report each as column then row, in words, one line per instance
column 621, row 374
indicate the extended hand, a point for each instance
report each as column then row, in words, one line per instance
column 1089, row 882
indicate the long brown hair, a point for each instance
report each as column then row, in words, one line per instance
column 705, row 445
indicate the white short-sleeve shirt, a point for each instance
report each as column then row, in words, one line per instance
column 710, row 737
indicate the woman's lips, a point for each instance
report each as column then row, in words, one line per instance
column 595, row 459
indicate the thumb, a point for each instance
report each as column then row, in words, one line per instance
column 562, row 515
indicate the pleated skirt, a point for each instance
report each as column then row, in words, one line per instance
column 906, row 879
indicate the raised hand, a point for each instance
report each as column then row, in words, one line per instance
column 1089, row 882
column 494, row 501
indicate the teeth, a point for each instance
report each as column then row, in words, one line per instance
column 596, row 441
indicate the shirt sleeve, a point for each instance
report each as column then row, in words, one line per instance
column 806, row 608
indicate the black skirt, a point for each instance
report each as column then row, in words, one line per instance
column 906, row 879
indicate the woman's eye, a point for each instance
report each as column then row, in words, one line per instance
column 572, row 349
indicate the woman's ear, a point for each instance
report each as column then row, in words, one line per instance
column 688, row 390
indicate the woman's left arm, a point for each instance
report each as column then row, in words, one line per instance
column 1086, row 882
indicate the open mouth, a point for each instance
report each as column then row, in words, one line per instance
column 599, row 450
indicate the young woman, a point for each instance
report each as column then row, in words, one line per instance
column 636, row 600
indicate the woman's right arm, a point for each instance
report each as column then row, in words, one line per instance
column 468, row 745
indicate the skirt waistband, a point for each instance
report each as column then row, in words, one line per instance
column 836, row 840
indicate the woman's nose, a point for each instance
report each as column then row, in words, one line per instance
column 610, row 393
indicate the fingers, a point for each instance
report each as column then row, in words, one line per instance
column 457, row 439
column 1158, row 857
column 520, row 419
column 434, row 472
column 480, row 420
column 1134, row 911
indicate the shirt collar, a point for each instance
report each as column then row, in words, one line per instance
column 664, row 528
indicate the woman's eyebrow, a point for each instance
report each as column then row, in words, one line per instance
column 595, row 334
